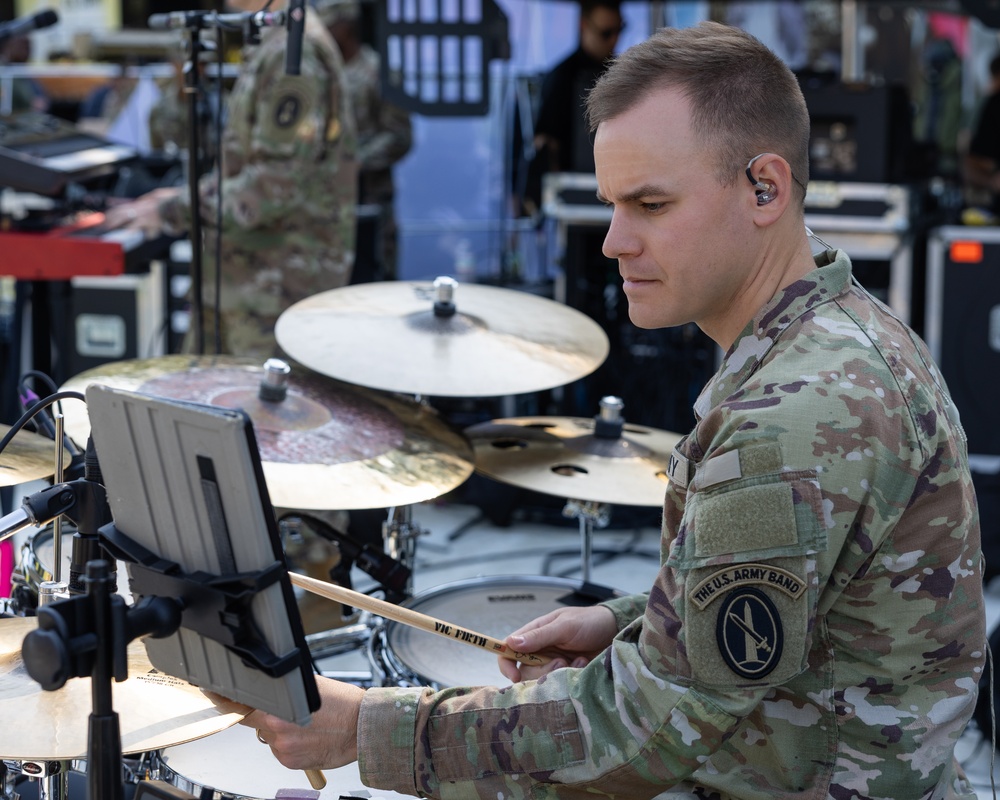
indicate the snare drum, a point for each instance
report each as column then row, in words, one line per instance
column 233, row 765
column 37, row 564
column 494, row 606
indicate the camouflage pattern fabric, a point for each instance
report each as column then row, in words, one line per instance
column 385, row 135
column 816, row 628
column 289, row 189
column 168, row 118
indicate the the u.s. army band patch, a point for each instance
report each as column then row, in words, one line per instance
column 287, row 111
column 735, row 575
column 747, row 620
column 749, row 633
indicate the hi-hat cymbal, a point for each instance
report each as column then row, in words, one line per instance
column 28, row 457
column 154, row 709
column 562, row 456
column 390, row 336
column 326, row 446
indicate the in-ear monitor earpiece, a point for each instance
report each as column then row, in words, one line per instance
column 765, row 191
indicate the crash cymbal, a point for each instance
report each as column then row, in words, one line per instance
column 154, row 710
column 393, row 336
column 327, row 445
column 28, row 457
column 562, row 456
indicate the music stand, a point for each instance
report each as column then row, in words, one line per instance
column 194, row 524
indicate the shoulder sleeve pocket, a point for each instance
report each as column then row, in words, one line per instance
column 748, row 577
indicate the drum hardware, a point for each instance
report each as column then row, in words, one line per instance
column 400, row 534
column 377, row 450
column 55, row 782
column 392, row 576
column 590, row 515
column 442, row 339
column 415, row 619
column 340, row 640
column 52, row 777
column 35, row 570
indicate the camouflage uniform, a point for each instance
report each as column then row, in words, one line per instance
column 289, row 190
column 816, row 628
column 385, row 135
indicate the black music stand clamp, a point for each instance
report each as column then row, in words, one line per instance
column 88, row 636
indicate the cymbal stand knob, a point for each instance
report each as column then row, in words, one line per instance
column 609, row 422
column 274, row 386
column 444, row 296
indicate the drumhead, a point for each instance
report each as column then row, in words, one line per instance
column 493, row 605
column 233, row 765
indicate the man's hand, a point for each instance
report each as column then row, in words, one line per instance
column 329, row 741
column 143, row 213
column 571, row 636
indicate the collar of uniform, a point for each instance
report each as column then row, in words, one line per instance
column 830, row 279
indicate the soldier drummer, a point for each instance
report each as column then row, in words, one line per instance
column 826, row 451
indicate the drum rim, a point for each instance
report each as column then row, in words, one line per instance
column 482, row 580
column 382, row 645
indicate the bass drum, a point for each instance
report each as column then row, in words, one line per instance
column 233, row 765
column 494, row 606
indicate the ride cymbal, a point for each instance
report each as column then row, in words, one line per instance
column 442, row 339
column 28, row 457
column 562, row 456
column 325, row 446
column 154, row 709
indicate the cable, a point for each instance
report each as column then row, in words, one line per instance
column 30, row 413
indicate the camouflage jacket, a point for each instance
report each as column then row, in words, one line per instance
column 816, row 628
column 385, row 133
column 289, row 179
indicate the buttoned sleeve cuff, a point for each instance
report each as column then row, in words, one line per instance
column 386, row 738
column 627, row 609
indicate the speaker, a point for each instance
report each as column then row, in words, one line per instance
column 962, row 325
column 116, row 318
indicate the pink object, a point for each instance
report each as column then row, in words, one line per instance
column 6, row 566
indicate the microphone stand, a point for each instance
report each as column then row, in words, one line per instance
column 194, row 22
column 193, row 91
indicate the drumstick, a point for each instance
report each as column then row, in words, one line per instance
column 316, row 778
column 414, row 619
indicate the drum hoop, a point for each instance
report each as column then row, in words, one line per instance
column 183, row 783
column 32, row 563
column 454, row 587
column 386, row 650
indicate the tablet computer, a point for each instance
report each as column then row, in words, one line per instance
column 184, row 480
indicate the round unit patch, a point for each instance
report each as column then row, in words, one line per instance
column 287, row 111
column 749, row 633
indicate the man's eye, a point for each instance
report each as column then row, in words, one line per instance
column 652, row 206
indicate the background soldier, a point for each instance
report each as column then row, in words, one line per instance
column 288, row 190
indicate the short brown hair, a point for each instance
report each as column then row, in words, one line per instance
column 744, row 99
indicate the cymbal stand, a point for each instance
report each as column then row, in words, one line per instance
column 590, row 515
column 54, row 783
column 399, row 534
